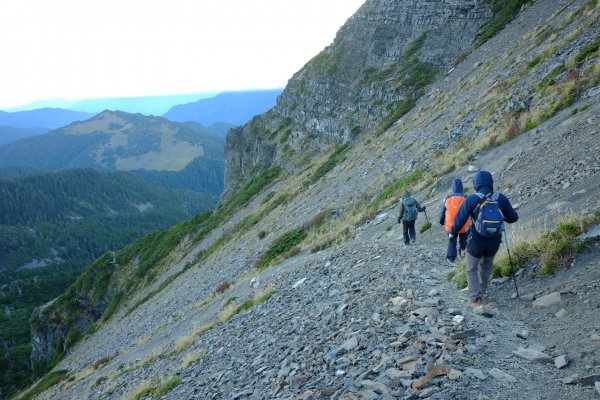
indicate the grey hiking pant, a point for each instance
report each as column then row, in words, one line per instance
column 478, row 274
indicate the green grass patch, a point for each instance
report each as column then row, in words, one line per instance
column 338, row 155
column 401, row 109
column 326, row 62
column 458, row 275
column 504, row 12
column 280, row 246
column 550, row 248
column 550, row 79
column 393, row 189
column 45, row 383
column 166, row 387
column 587, row 51
column 229, row 301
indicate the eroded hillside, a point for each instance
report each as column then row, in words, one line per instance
column 291, row 289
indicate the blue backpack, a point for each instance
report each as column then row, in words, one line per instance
column 489, row 221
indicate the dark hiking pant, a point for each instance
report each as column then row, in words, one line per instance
column 408, row 228
column 462, row 240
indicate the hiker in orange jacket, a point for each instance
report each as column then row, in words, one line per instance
column 448, row 210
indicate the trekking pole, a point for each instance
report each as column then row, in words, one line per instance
column 512, row 271
column 428, row 223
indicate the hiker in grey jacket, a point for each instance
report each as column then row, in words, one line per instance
column 409, row 208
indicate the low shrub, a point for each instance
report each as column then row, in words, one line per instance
column 223, row 287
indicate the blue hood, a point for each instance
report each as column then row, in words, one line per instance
column 457, row 186
column 483, row 178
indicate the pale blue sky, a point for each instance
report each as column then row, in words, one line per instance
column 78, row 49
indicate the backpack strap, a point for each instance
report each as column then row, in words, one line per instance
column 482, row 198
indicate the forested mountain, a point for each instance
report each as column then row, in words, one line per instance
column 114, row 140
column 231, row 107
column 10, row 133
column 52, row 225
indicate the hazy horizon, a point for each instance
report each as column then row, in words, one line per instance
column 159, row 103
column 66, row 49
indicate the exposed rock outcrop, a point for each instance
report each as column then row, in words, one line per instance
column 377, row 65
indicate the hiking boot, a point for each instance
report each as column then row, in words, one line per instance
column 451, row 263
column 475, row 303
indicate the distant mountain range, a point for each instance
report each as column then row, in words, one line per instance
column 50, row 118
column 234, row 107
column 217, row 112
column 175, row 155
column 148, row 105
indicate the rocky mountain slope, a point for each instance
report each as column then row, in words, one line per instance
column 299, row 287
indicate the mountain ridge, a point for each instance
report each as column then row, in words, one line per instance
column 233, row 107
column 115, row 140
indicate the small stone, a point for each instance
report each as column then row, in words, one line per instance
column 463, row 334
column 532, row 355
column 425, row 312
column 547, row 300
column 562, row 313
column 589, row 380
column 396, row 375
column 438, row 370
column 570, row 380
column 342, row 307
column 561, row 361
column 458, row 319
column 524, row 334
column 502, row 376
column 454, row 374
column 595, row 336
column 398, row 301
column 298, row 283
column 426, row 393
column 377, row 387
column 340, row 372
column 350, row 344
column 472, row 168
column 309, row 394
column 486, row 311
column 597, row 384
column 380, row 218
column 433, row 292
column 477, row 373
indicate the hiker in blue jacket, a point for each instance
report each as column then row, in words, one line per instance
column 482, row 245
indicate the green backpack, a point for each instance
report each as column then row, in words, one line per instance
column 410, row 211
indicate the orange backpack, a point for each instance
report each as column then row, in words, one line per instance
column 453, row 204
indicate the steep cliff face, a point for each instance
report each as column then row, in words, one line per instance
column 371, row 74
